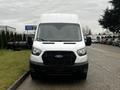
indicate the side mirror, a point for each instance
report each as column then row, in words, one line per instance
column 30, row 27
column 88, row 41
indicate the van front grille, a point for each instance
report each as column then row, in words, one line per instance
column 59, row 58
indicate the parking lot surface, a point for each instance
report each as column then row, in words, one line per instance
column 104, row 73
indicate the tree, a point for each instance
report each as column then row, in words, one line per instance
column 116, row 4
column 90, row 32
column 111, row 18
column 3, row 39
column 20, row 37
column 7, row 36
column 24, row 37
column 11, row 36
column 15, row 37
column 87, row 31
column 0, row 40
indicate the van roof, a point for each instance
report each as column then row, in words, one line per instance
column 59, row 18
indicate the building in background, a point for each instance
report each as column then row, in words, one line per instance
column 7, row 28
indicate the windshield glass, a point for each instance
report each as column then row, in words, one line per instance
column 59, row 32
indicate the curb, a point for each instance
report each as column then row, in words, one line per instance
column 18, row 82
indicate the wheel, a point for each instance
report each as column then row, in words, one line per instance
column 34, row 75
column 84, row 75
column 80, row 75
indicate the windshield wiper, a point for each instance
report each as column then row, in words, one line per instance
column 40, row 39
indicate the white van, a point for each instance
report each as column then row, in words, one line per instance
column 59, row 47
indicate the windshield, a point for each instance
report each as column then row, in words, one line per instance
column 59, row 32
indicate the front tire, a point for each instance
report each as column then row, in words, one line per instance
column 34, row 75
column 84, row 76
column 80, row 75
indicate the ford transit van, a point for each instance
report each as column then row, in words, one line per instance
column 59, row 47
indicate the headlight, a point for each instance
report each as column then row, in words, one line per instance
column 36, row 51
column 82, row 52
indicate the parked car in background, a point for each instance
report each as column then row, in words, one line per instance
column 109, row 41
column 94, row 41
column 104, row 40
column 19, row 45
column 119, row 44
column 116, row 42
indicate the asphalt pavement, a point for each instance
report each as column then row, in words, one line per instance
column 103, row 74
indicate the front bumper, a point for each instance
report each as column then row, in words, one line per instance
column 58, row 69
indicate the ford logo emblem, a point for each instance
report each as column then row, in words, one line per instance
column 58, row 56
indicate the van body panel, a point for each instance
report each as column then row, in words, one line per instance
column 59, row 18
column 76, row 47
column 59, row 46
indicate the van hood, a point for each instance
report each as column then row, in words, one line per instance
column 53, row 46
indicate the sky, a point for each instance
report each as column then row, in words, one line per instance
column 18, row 13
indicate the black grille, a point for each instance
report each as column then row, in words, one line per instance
column 58, row 58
